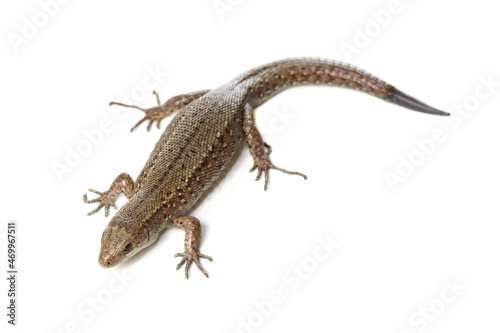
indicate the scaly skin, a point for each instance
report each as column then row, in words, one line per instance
column 201, row 140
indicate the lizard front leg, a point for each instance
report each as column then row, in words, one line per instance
column 122, row 184
column 161, row 111
column 259, row 149
column 193, row 234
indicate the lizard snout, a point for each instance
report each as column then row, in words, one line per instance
column 106, row 260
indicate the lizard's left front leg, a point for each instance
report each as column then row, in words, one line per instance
column 193, row 235
column 258, row 148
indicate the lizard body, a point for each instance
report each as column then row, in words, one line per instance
column 201, row 140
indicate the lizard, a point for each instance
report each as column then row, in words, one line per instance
column 201, row 140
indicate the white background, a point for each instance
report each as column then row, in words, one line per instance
column 398, row 248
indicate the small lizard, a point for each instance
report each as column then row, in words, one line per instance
column 198, row 144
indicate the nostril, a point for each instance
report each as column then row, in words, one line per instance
column 106, row 261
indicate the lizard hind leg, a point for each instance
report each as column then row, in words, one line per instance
column 259, row 149
column 163, row 110
column 151, row 114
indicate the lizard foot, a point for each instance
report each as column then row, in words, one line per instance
column 105, row 199
column 188, row 257
column 263, row 164
column 151, row 114
column 155, row 113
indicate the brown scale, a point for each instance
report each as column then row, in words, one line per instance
column 199, row 143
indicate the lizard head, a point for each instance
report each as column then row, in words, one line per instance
column 121, row 240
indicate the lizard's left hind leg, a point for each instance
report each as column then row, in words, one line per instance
column 259, row 149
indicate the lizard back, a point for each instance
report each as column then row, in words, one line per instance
column 191, row 153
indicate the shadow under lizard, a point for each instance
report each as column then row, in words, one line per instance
column 199, row 143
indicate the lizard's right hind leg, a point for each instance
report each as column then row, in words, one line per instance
column 161, row 111
column 122, row 184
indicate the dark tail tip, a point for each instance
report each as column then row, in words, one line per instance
column 400, row 98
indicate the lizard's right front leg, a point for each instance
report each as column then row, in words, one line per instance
column 122, row 184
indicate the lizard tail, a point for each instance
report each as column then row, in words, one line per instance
column 268, row 80
column 402, row 99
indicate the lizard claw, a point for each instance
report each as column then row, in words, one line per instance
column 269, row 149
column 264, row 165
column 105, row 200
column 190, row 256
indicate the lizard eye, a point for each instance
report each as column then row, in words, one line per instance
column 128, row 248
